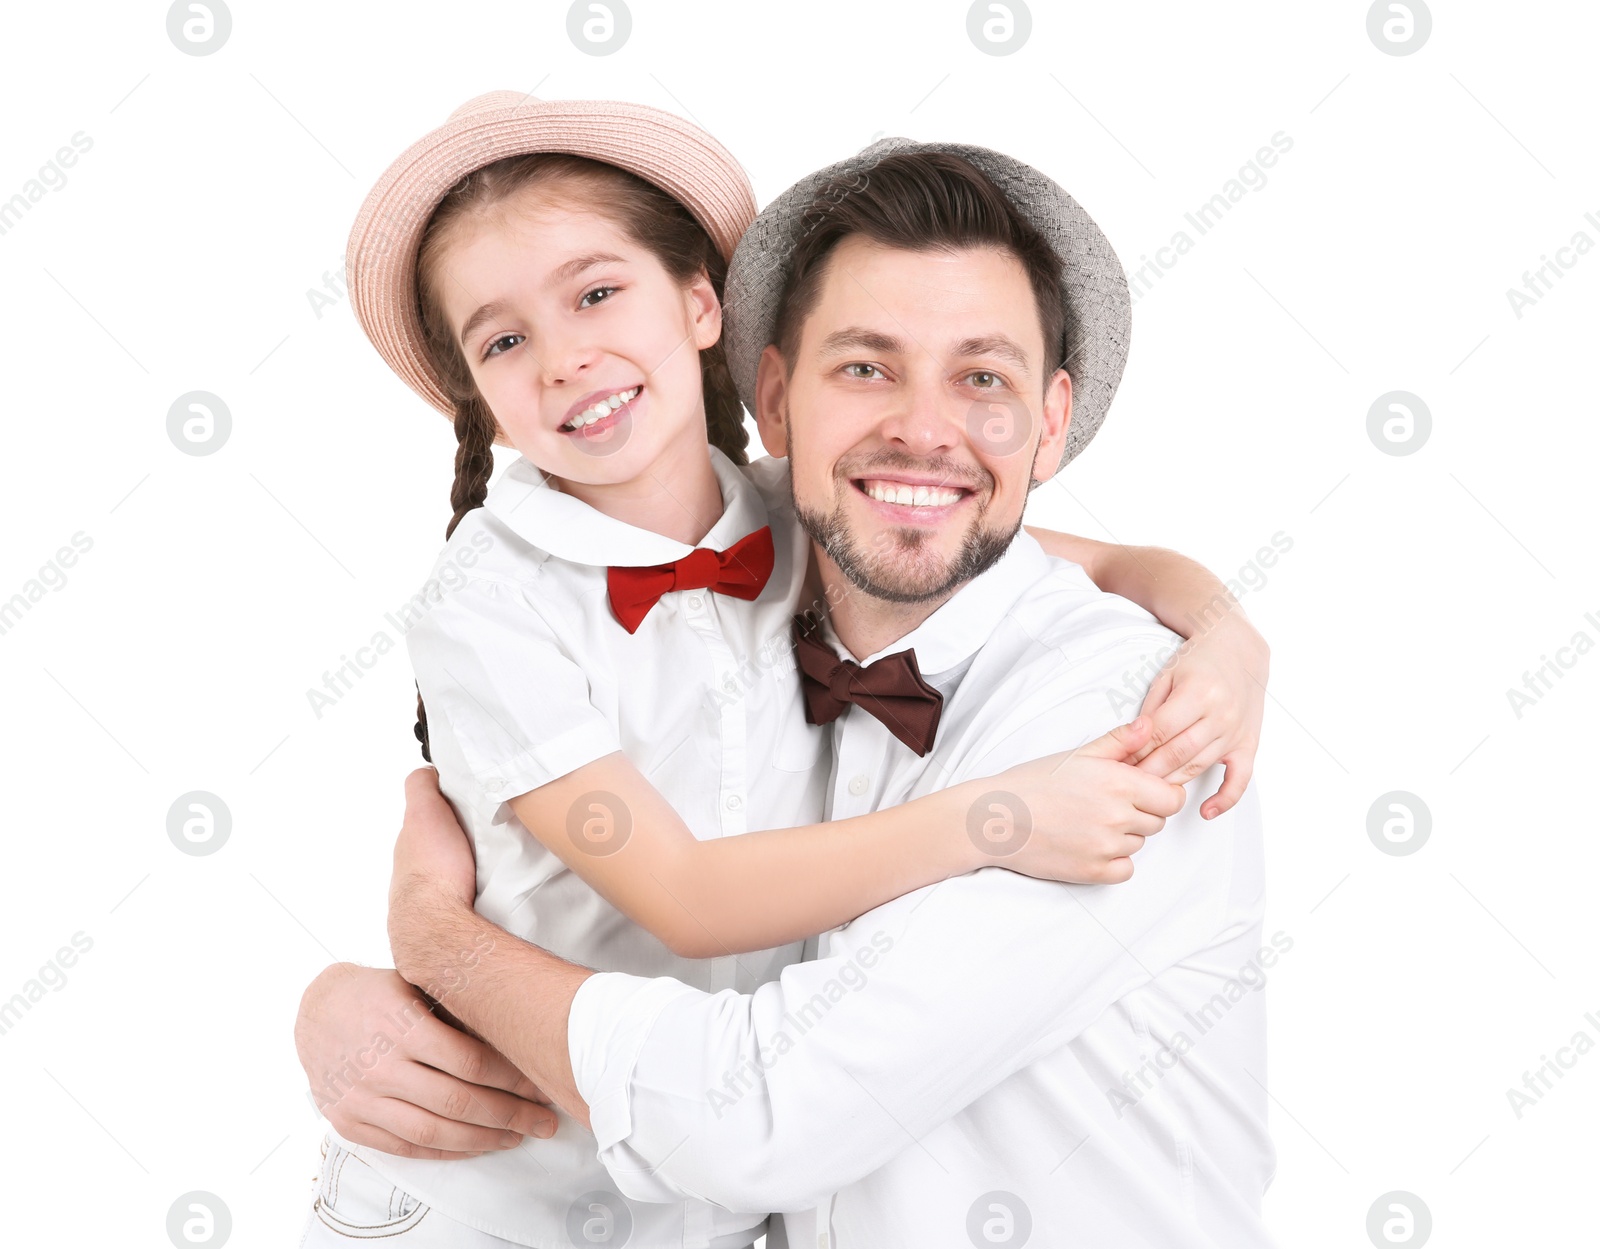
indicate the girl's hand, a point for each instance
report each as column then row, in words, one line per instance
column 1076, row 817
column 1206, row 704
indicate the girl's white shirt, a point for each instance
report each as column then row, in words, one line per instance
column 526, row 676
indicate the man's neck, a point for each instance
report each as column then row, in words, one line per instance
column 866, row 625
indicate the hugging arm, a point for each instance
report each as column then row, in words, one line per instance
column 1207, row 701
column 770, row 1101
column 512, row 712
column 761, row 890
column 436, row 1092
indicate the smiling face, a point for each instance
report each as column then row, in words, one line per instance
column 582, row 344
column 917, row 410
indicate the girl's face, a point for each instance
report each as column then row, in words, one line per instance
column 561, row 317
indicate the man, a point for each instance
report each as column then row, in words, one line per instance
column 993, row 1058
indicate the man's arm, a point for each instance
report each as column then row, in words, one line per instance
column 512, row 994
column 515, row 995
column 773, row 1100
column 385, row 1069
column 389, row 1073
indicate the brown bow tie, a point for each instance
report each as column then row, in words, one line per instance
column 890, row 689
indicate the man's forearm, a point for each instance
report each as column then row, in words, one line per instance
column 514, row 995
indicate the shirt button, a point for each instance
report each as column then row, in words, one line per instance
column 494, row 784
column 694, row 601
column 734, row 802
column 729, row 684
column 858, row 785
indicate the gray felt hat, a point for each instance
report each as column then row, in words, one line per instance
column 1099, row 320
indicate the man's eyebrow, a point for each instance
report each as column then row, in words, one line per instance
column 855, row 338
column 562, row 273
column 995, row 345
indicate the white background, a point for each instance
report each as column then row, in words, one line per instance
column 219, row 190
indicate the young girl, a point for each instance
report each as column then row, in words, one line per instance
column 611, row 697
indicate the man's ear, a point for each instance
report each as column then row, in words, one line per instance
column 1053, row 429
column 772, row 401
column 705, row 311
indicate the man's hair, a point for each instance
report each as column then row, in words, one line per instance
column 918, row 201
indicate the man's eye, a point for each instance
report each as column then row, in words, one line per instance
column 986, row 381
column 589, row 300
column 866, row 373
column 495, row 347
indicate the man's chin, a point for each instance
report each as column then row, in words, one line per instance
column 918, row 570
column 903, row 564
column 909, row 581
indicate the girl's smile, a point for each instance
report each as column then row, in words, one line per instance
column 603, row 406
column 597, row 434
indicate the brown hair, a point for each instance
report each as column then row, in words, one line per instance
column 919, row 201
column 649, row 217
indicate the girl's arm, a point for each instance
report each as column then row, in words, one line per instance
column 760, row 890
column 1207, row 702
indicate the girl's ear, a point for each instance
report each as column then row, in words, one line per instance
column 705, row 311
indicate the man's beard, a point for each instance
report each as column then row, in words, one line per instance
column 911, row 580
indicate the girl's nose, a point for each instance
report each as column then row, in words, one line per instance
column 562, row 360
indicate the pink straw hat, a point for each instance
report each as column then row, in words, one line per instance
column 381, row 260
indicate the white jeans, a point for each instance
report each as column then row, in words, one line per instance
column 353, row 1202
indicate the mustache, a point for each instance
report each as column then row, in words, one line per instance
column 949, row 470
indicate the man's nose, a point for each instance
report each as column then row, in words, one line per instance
column 925, row 419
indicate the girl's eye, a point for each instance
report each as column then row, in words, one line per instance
column 870, row 369
column 604, row 292
column 495, row 347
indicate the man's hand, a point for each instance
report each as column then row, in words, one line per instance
column 434, row 875
column 1207, row 704
column 504, row 989
column 389, row 1074
column 432, row 844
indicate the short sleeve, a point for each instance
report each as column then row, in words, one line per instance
column 516, row 700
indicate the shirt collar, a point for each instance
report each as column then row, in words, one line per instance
column 961, row 625
column 570, row 529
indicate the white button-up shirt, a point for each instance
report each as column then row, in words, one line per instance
column 527, row 676
column 992, row 1053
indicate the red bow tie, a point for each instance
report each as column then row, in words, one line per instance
column 741, row 571
column 892, row 689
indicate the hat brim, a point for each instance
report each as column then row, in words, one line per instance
column 1098, row 306
column 661, row 148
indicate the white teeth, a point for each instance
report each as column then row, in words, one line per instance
column 604, row 408
column 911, row 496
